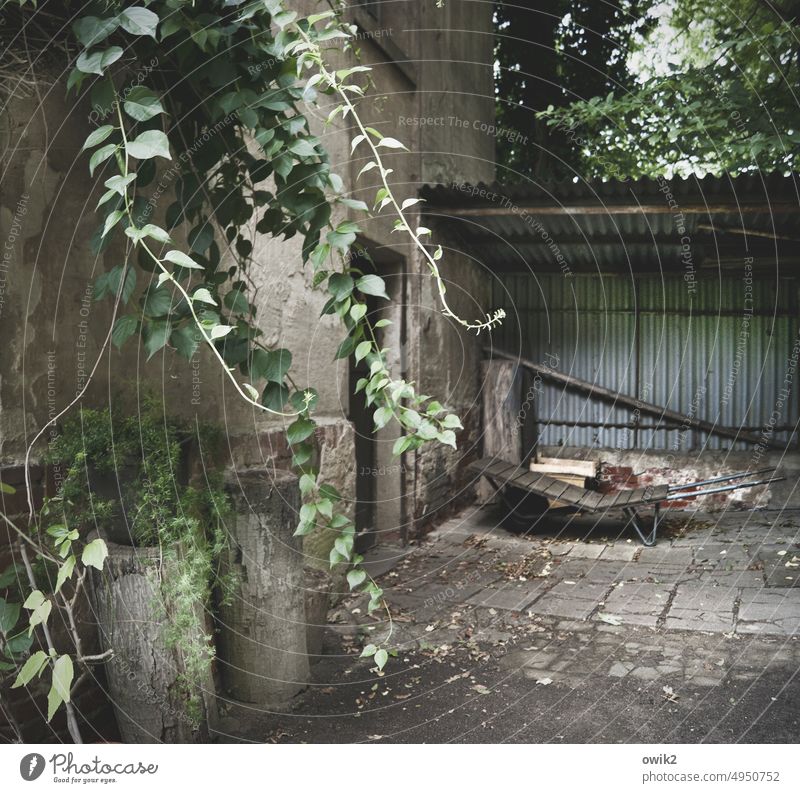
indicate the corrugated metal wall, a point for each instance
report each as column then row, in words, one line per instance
column 720, row 354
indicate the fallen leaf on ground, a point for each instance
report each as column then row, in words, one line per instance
column 611, row 619
column 545, row 681
column 669, row 694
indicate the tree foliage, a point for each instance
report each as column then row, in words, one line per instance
column 680, row 87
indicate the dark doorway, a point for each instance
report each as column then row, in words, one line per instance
column 379, row 478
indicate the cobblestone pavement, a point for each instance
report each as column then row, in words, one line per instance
column 573, row 633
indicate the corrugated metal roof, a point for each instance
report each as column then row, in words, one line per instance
column 624, row 226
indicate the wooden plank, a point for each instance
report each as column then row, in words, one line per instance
column 637, row 496
column 573, row 495
column 500, row 470
column 591, row 500
column 608, row 501
column 658, row 493
column 536, row 483
column 556, row 465
column 625, row 400
column 501, row 403
column 502, row 400
column 555, row 489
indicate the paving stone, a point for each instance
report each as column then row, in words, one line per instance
column 782, row 570
column 594, row 571
column 560, row 548
column 512, row 596
column 751, row 579
column 664, row 554
column 575, row 601
column 645, row 673
column 769, row 612
column 704, row 680
column 620, row 669
column 637, row 604
column 724, row 557
column 619, row 553
column 585, row 550
column 702, row 608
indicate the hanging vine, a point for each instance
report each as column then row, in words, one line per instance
column 215, row 116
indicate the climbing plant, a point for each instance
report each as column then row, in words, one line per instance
column 218, row 115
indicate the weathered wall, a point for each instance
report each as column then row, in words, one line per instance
column 55, row 329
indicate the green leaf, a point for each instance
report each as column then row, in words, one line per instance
column 381, row 657
column 356, row 577
column 300, row 400
column 97, row 136
column 32, row 667
column 302, row 452
column 142, row 104
column 451, row 421
column 363, row 350
column 275, row 396
column 186, row 340
column 237, row 302
column 157, row 302
column 391, row 143
column 341, row 241
column 156, row 233
column 63, row 675
column 34, row 600
column 39, row 614
column 101, row 155
column 92, row 30
column 372, row 285
column 119, row 184
column 152, row 143
column 358, row 311
column 10, row 575
column 369, row 651
column 299, row 430
column 182, row 260
column 157, row 334
column 448, row 438
column 382, row 417
column 18, row 645
column 138, row 21
column 94, row 554
column 302, row 148
column 61, row 687
column 340, row 285
column 98, row 62
column 400, row 445
column 202, row 295
column 303, row 528
column 111, row 221
column 65, row 572
column 9, row 614
column 271, row 365
column 219, row 331
column 308, row 513
column 307, row 484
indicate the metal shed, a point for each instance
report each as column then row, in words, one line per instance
column 682, row 293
